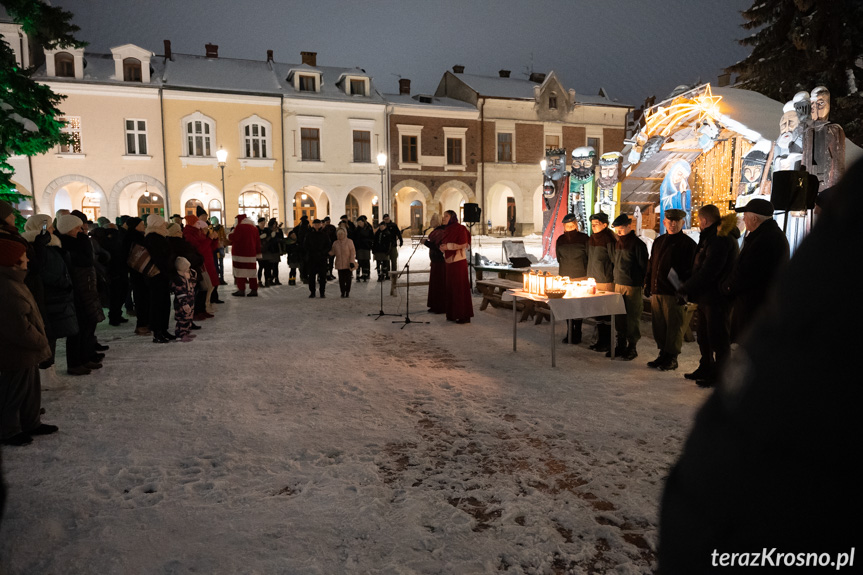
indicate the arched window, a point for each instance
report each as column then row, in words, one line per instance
column 199, row 131
column 151, row 204
column 256, row 134
column 215, row 209
column 132, row 70
column 254, row 205
column 352, row 208
column 416, row 217
column 304, row 205
column 91, row 205
column 64, row 65
column 192, row 206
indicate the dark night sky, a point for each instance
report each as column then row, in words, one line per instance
column 632, row 48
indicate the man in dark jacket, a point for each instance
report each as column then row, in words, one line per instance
column 673, row 250
column 714, row 259
column 571, row 250
column 316, row 248
column 600, row 266
column 364, row 238
column 330, row 230
column 112, row 239
column 630, row 266
column 302, row 230
column 397, row 237
column 765, row 251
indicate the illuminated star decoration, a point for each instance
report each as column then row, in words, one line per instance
column 665, row 119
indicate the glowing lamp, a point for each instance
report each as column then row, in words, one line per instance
column 382, row 160
column 525, row 281
column 543, row 164
column 222, row 155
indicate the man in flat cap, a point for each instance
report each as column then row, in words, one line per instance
column 571, row 250
column 630, row 265
column 765, row 251
column 600, row 266
column 673, row 250
column 316, row 249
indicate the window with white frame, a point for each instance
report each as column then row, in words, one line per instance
column 504, row 147
column 199, row 132
column 362, row 146
column 310, row 140
column 357, row 87
column 73, row 128
column 455, row 147
column 308, row 83
column 255, row 140
column 411, row 144
column 136, row 137
column 552, row 142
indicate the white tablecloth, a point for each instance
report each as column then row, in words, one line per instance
column 603, row 303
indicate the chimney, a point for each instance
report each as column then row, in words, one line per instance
column 310, row 58
column 503, row 73
column 458, row 69
column 537, row 77
column 723, row 80
column 212, row 50
column 168, row 55
column 269, row 55
column 404, row 86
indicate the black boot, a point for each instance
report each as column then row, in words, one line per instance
column 669, row 363
column 603, row 338
column 619, row 349
column 660, row 359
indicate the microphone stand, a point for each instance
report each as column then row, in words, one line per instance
column 407, row 320
column 381, row 313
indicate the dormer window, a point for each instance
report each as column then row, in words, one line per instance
column 307, row 83
column 552, row 101
column 132, row 70
column 64, row 65
column 358, row 87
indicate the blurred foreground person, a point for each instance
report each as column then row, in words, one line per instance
column 773, row 458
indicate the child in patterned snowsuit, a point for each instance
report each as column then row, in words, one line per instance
column 183, row 287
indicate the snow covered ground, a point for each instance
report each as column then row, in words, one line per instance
column 302, row 436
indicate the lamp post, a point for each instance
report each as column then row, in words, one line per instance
column 382, row 164
column 222, row 156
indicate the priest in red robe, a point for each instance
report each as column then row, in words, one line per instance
column 454, row 244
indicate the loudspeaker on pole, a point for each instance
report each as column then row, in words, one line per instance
column 472, row 213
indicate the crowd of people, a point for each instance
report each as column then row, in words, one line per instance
column 724, row 286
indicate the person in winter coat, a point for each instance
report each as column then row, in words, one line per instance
column 9, row 231
column 81, row 348
column 135, row 228
column 673, row 250
column 398, row 241
column 571, row 250
column 272, row 252
column 24, row 345
column 364, row 239
column 330, row 230
column 159, row 285
column 219, row 254
column 772, row 461
column 301, row 231
column 183, row 288
column 58, row 311
column 600, row 266
column 454, row 244
column 345, row 260
column 198, row 235
column 245, row 250
column 294, row 252
column 110, row 238
column 265, row 279
column 714, row 260
column 765, row 252
column 316, row 249
column 630, row 265
column 436, row 300
column 382, row 246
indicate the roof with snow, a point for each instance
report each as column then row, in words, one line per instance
column 429, row 101
column 221, row 74
column 332, row 87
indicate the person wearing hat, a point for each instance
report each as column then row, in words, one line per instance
column 397, row 243
column 673, row 250
column 177, row 219
column 600, row 266
column 765, row 251
column 364, row 239
column 24, row 345
column 302, row 231
column 159, row 285
column 316, row 249
column 383, row 244
column 245, row 249
column 714, row 260
column 630, row 266
column 330, row 230
column 571, row 250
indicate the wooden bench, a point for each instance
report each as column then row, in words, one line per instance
column 493, row 289
column 394, row 278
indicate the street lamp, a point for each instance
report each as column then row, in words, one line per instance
column 222, row 156
column 382, row 164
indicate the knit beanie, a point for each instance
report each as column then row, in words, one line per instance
column 190, row 220
column 5, row 209
column 67, row 223
column 80, row 215
column 132, row 223
column 174, row 230
column 10, row 252
column 155, row 221
column 182, row 264
column 201, row 224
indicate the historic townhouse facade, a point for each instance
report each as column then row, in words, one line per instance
column 520, row 119
column 434, row 147
column 334, row 129
column 113, row 113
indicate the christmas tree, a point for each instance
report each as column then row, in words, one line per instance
column 800, row 44
column 28, row 110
